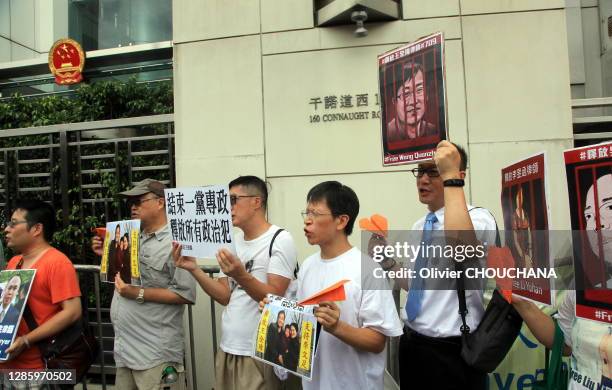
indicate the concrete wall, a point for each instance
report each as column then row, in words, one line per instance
column 245, row 73
column 585, row 53
column 28, row 28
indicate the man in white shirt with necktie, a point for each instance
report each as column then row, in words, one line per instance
column 429, row 351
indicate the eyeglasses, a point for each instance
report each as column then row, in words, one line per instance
column 419, row 172
column 405, row 95
column 234, row 198
column 12, row 224
column 139, row 202
column 311, row 214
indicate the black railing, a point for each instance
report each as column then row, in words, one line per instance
column 105, row 367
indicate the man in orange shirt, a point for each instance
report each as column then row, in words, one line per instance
column 55, row 294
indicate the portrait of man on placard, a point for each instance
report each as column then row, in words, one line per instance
column 524, row 211
column 590, row 189
column 589, row 186
column 9, row 313
column 521, row 231
column 597, row 214
column 15, row 286
column 410, row 106
column 413, row 104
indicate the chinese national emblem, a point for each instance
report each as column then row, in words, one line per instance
column 66, row 61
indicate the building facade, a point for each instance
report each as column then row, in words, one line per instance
column 521, row 78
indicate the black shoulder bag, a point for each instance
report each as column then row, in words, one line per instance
column 74, row 348
column 486, row 347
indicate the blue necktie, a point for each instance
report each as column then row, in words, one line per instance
column 415, row 295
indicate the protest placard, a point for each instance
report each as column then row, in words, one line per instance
column 526, row 215
column 286, row 336
column 589, row 184
column 413, row 100
column 120, row 252
column 200, row 219
column 15, row 285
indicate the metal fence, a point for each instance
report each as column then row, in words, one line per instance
column 103, row 327
column 77, row 166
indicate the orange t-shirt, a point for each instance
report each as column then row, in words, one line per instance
column 55, row 281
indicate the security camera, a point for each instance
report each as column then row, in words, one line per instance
column 359, row 17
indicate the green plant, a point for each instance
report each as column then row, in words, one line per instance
column 90, row 102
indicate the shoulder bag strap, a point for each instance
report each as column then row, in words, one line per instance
column 463, row 311
column 28, row 316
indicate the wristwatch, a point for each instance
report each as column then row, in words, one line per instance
column 454, row 183
column 140, row 297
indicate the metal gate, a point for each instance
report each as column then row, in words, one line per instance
column 79, row 168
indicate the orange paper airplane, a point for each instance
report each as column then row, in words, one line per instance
column 335, row 292
column 99, row 231
column 376, row 224
column 501, row 258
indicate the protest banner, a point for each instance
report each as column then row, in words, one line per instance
column 200, row 219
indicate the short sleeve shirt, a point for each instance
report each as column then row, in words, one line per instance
column 55, row 281
column 337, row 365
column 150, row 333
column 439, row 316
column 241, row 315
column 591, row 343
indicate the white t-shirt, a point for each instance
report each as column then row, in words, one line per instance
column 591, row 343
column 241, row 315
column 337, row 365
column 439, row 316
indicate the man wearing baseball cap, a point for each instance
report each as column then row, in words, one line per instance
column 148, row 319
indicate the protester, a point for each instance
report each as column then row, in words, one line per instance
column 588, row 342
column 54, row 298
column 148, row 320
column 429, row 351
column 265, row 262
column 351, row 347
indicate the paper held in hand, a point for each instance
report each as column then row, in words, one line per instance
column 120, row 252
column 286, row 336
column 200, row 219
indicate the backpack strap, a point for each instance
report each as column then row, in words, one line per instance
column 28, row 316
column 297, row 266
column 272, row 241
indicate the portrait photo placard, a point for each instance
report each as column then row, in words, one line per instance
column 413, row 100
column 286, row 336
column 120, row 252
column 589, row 185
